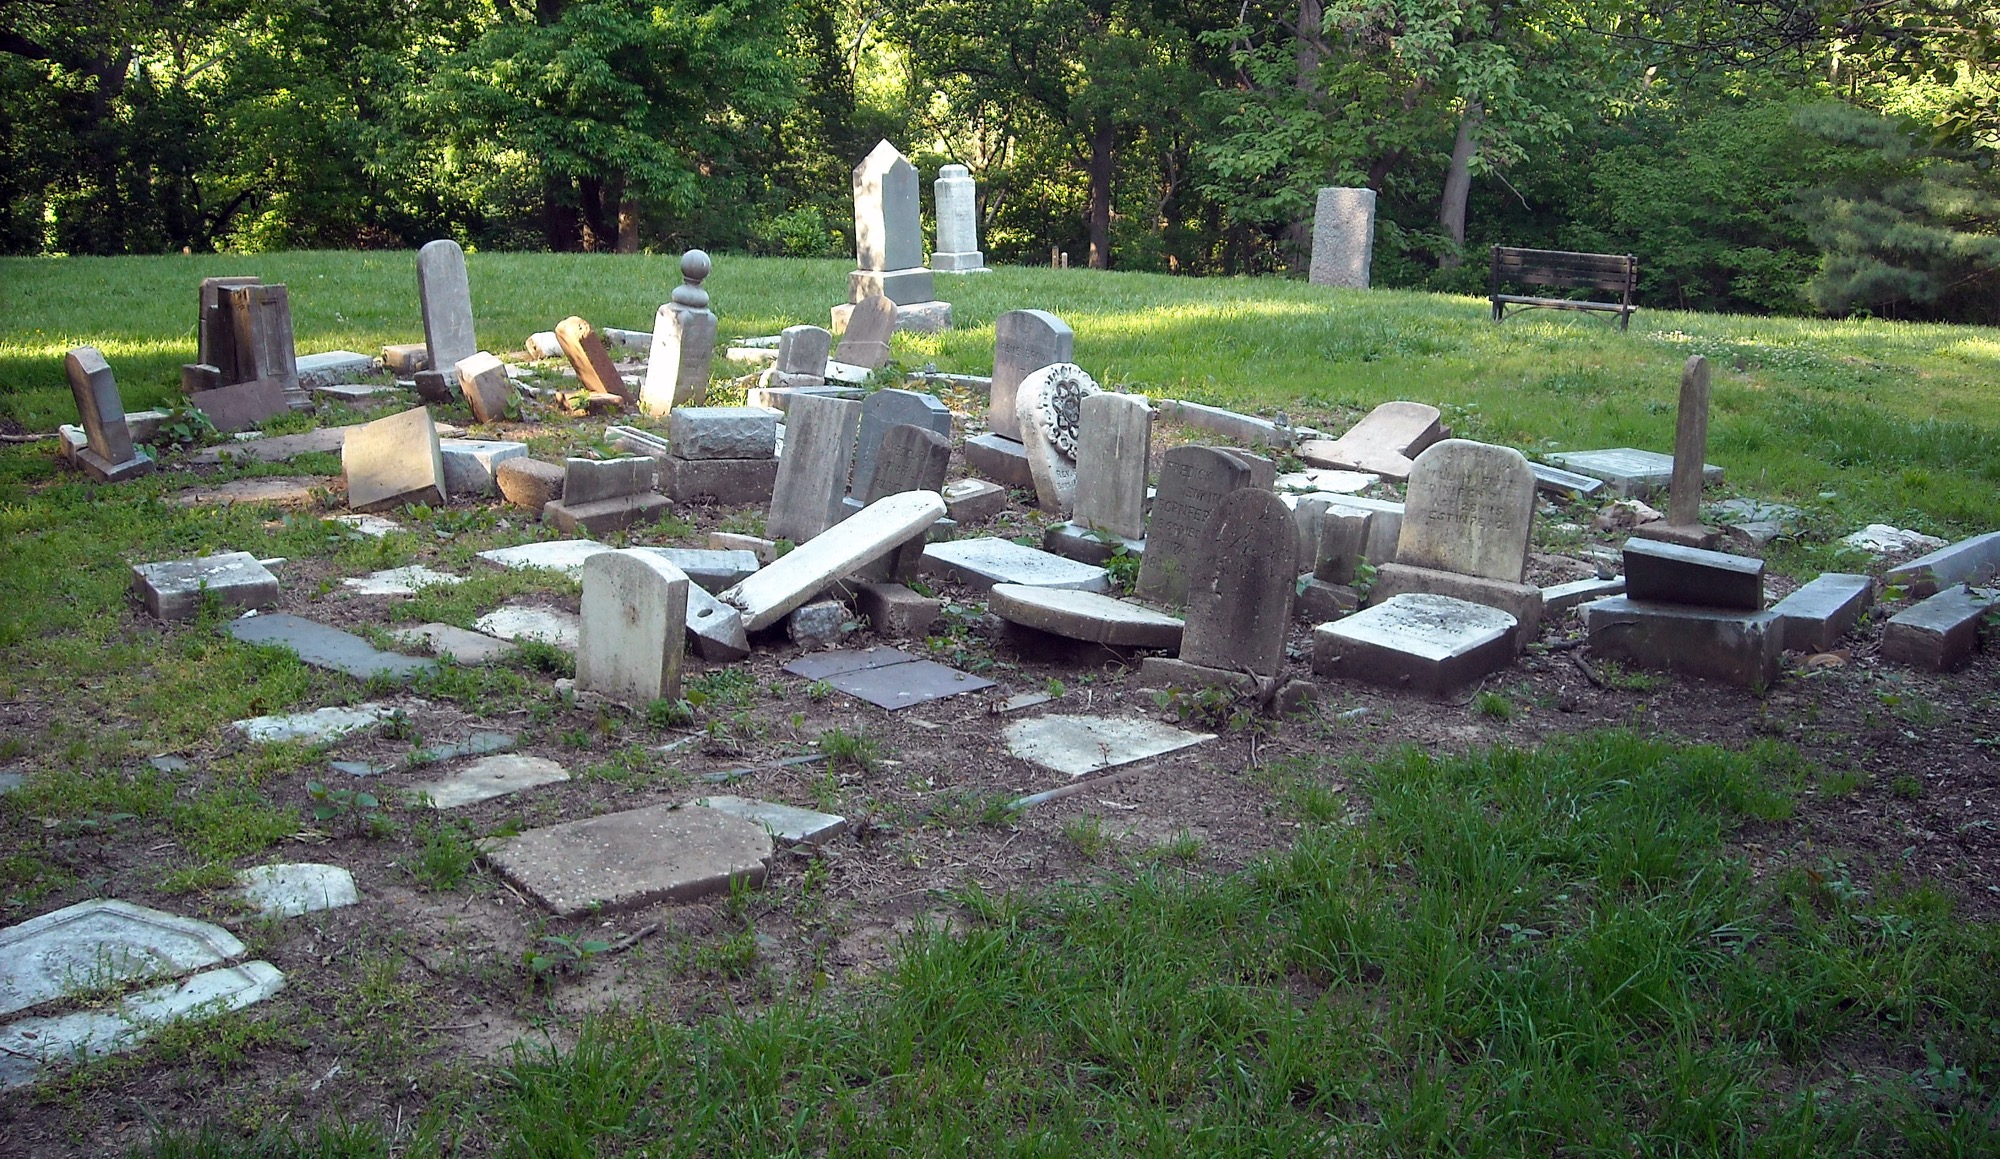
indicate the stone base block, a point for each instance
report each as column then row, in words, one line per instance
column 1292, row 696
column 1087, row 546
column 1659, row 571
column 1000, row 459
column 1319, row 601
column 965, row 262
column 1737, row 647
column 723, row 432
column 729, row 482
column 1521, row 601
column 1686, row 535
column 471, row 465
column 779, row 398
column 528, row 483
column 907, row 287
column 105, row 471
column 174, row 590
column 602, row 516
column 1939, row 634
column 1814, row 618
column 895, row 612
column 406, row 358
column 1427, row 643
column 974, row 500
column 818, row 624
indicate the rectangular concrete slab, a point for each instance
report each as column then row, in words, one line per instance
column 1815, row 617
column 980, row 563
column 1427, row 643
column 621, row 861
column 99, row 943
column 824, row 664
column 1973, row 561
column 393, row 461
column 320, row 724
column 463, row 646
column 556, row 626
column 1737, row 647
column 174, row 590
column 489, row 777
column 787, row 823
column 907, row 685
column 325, row 647
column 1668, row 573
column 564, row 555
column 1627, row 472
column 1076, row 745
column 1939, row 634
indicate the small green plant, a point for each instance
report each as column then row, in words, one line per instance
column 360, row 809
column 1493, row 705
column 1907, row 787
column 1364, row 579
column 577, row 738
column 1616, row 675
column 819, row 690
column 559, row 954
column 670, row 714
column 854, row 750
column 1054, row 688
column 1183, row 847
column 1086, row 832
column 1123, row 567
column 445, row 856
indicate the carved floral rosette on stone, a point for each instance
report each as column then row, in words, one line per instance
column 1049, row 405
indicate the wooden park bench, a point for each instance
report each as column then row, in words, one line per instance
column 1562, row 270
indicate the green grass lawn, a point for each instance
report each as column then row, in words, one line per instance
column 1868, row 421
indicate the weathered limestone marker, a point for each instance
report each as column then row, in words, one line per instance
column 802, row 355
column 866, row 340
column 1049, row 404
column 483, row 379
column 215, row 340
column 1383, row 442
column 602, row 496
column 625, row 860
column 910, row 458
column 1193, row 482
column 1024, row 341
column 1114, row 444
column 957, row 223
column 634, row 627
column 1432, row 644
column 393, row 461
column 812, row 473
column 883, row 411
column 584, row 347
column 888, row 231
column 110, row 455
column 1343, row 245
column 444, row 293
column 1466, row 521
column 262, row 318
column 683, row 351
column 1240, row 592
column 791, row 580
column 1683, row 525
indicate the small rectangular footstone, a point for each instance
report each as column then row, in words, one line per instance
column 564, row 555
column 174, row 590
column 1972, row 561
column 1737, row 647
column 1814, row 618
column 1427, row 643
column 1629, row 473
column 1076, row 745
column 621, row 861
column 1668, row 573
column 325, row 647
column 1939, row 634
column 1562, row 597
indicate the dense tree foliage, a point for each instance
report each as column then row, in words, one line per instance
column 1769, row 155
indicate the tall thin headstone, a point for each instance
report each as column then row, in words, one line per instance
column 215, row 334
column 881, row 413
column 957, row 202
column 1193, row 482
column 1024, row 341
column 634, row 634
column 1240, row 592
column 1683, row 525
column 888, row 231
column 444, row 294
column 812, row 472
column 911, row 458
column 1343, row 240
column 109, row 456
column 683, row 343
column 1114, row 445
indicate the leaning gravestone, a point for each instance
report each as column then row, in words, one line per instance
column 888, row 231
column 866, row 340
column 812, row 473
column 444, row 293
column 1241, row 587
column 215, row 334
column 482, row 378
column 910, row 458
column 957, row 223
column 883, row 411
column 393, row 461
column 802, row 355
column 1383, row 442
column 1049, row 403
column 1114, row 445
column 1343, row 245
column 584, row 347
column 1193, row 482
column 634, row 627
column 1470, row 510
column 1024, row 341
column 683, row 349
column 110, row 455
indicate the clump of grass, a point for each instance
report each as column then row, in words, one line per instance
column 1493, row 705
column 854, row 750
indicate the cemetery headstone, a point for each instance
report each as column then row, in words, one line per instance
column 797, row 576
column 866, row 341
column 802, row 355
column 1114, row 446
column 444, row 294
column 241, row 405
column 883, row 411
column 1193, row 482
column 812, row 473
column 109, row 455
column 909, row 458
column 1383, row 442
column 634, row 627
column 1049, row 404
column 888, row 231
column 175, row 589
column 683, row 351
column 601, row 496
column 584, row 347
column 957, row 223
column 1343, row 239
column 261, row 317
column 483, row 380
column 1024, row 341
column 1683, row 522
column 1241, row 586
column 393, row 461
column 1427, row 643
column 1470, row 509
column 215, row 340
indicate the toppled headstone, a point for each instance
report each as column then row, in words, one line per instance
column 584, row 347
column 714, row 629
column 444, row 295
column 708, row 568
column 1969, row 561
column 482, row 378
column 1557, row 481
column 398, row 581
column 634, row 627
column 1343, row 237
column 1466, row 524
column 1738, row 647
column 865, row 342
column 564, row 555
column 1385, row 442
column 321, row 724
column 1427, row 643
column 32, row 1045
column 1076, row 745
column 1193, row 482
column 287, row 891
column 1048, row 404
column 1815, row 617
column 787, row 823
column 813, row 472
column 174, row 590
column 324, row 647
column 683, row 343
column 601, row 496
column 462, row 645
column 982, row 562
column 1627, row 472
column 1087, row 616
column 241, row 406
column 489, row 777
column 723, row 432
column 331, row 367
column 888, row 231
column 393, row 461
column 102, row 943
column 529, row 483
column 1328, row 480
column 1229, row 424
column 791, row 580
column 882, row 411
column 471, row 466
column 1562, row 597
column 625, row 860
column 403, row 359
column 957, row 203
column 802, row 356
column 1668, row 573
column 538, row 622
column 1882, row 539
column 1939, row 634
column 110, row 456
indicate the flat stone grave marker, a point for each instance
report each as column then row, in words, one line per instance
column 321, row 724
column 787, row 823
column 490, row 777
column 1974, row 561
column 621, row 861
column 555, row 626
column 324, row 647
column 1470, row 510
column 812, row 473
column 1024, row 341
column 331, row 367
column 634, row 627
column 272, row 490
column 1077, row 745
column 399, row 581
column 444, row 295
column 1817, row 615
column 1329, row 480
column 1088, row 616
column 1428, row 643
column 462, row 645
column 1627, row 472
column 100, row 943
column 887, row 677
column 393, row 461
column 1560, row 482
column 367, row 526
column 174, row 590
column 883, row 411
column 1384, row 442
column 564, row 555
column 287, row 891
column 1193, row 481
column 973, row 500
column 709, row 568
column 1884, row 539
column 1240, row 592
column 987, row 560
column 825, row 664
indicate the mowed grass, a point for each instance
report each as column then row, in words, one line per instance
column 1546, row 953
column 1861, row 421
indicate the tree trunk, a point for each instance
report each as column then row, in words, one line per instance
column 562, row 229
column 600, row 229
column 1310, row 49
column 1458, row 186
column 1103, row 158
column 628, row 226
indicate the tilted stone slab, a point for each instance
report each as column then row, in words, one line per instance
column 100, row 943
column 393, row 461
column 787, row 823
column 499, row 775
column 797, row 577
column 714, row 629
column 1737, row 647
column 1426, row 643
column 444, row 297
column 1627, row 472
column 1562, row 597
column 1077, row 745
column 1969, row 561
column 1079, row 615
column 1228, row 423
column 1668, row 573
column 1939, row 634
column 621, row 861
column 174, row 590
column 813, row 472
column 324, row 647
column 1815, row 617
column 1384, row 442
column 980, row 563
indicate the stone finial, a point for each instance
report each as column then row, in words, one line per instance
column 695, row 266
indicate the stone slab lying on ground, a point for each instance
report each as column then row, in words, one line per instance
column 406, row 358
column 1756, row 522
column 1076, row 745
column 1330, row 480
column 1969, row 561
column 1883, row 539
column 324, row 647
column 1074, row 541
column 791, row 580
column 1557, row 481
column 1668, row 573
column 973, row 500
column 1939, row 634
column 292, row 491
column 765, row 550
column 980, row 563
column 1627, row 472
column 1816, row 616
column 1171, row 672
column 321, row 724
column 828, row 664
column 462, row 645
column 101, row 943
column 1523, row 602
column 175, row 589
column 393, row 461
column 356, row 394
column 399, row 581
column 621, row 861
column 331, row 366
column 370, row 526
column 286, row 891
column 471, row 465
column 29, row 1046
column 714, row 629
column 490, row 777
column 787, row 823
column 1562, row 597
column 898, row 686
column 1228, row 423
column 564, row 555
column 278, row 448
column 548, row 625
column 1427, row 643
column 708, row 568
column 1737, row 647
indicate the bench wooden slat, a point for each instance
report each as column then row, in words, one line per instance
column 1562, row 269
